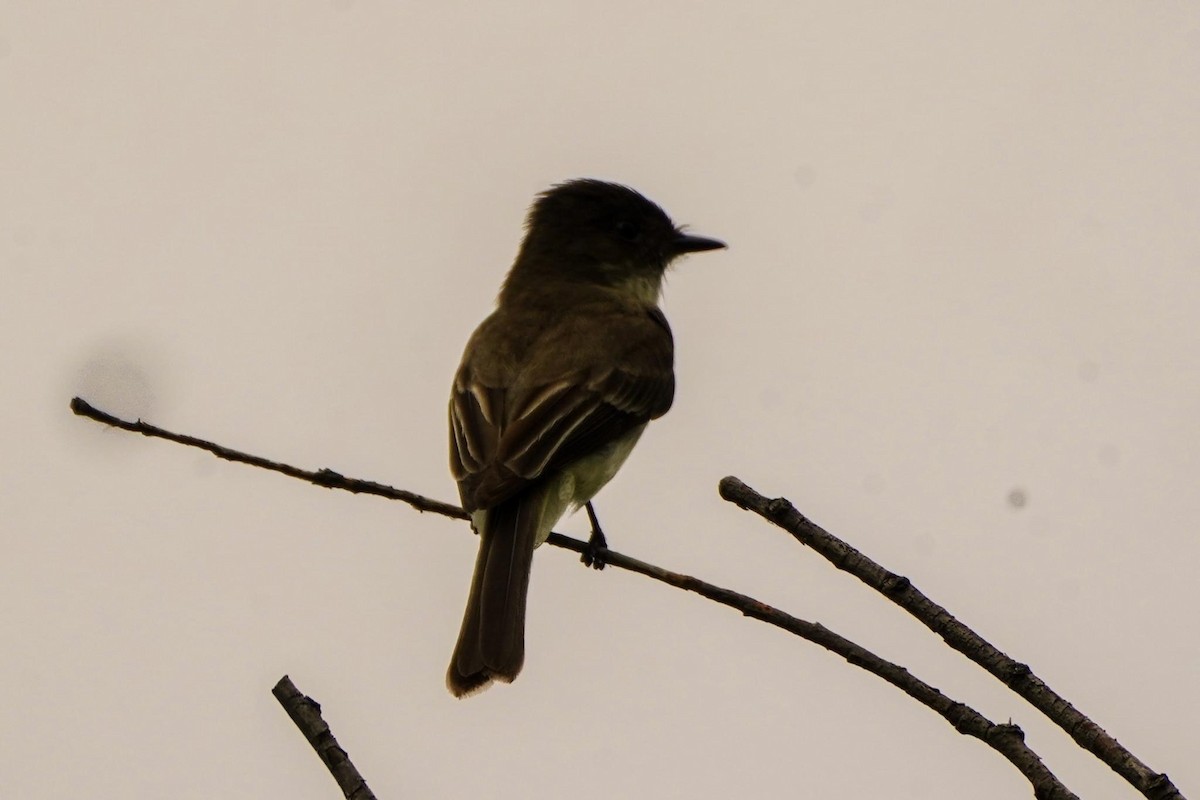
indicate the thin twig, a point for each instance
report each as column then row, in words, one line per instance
column 306, row 713
column 323, row 477
column 1008, row 740
column 1017, row 676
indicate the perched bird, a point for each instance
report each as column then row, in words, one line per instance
column 553, row 391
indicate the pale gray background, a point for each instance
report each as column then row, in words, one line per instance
column 964, row 262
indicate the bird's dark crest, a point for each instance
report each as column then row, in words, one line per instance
column 590, row 197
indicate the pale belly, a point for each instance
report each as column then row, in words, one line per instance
column 580, row 482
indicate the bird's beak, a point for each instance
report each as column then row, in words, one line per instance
column 686, row 243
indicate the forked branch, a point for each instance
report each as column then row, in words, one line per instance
column 1008, row 740
column 1013, row 674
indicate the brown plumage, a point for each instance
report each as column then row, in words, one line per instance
column 553, row 391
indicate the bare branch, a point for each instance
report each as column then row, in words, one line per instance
column 324, row 477
column 1017, row 676
column 1008, row 740
column 306, row 713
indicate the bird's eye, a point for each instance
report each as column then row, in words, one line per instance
column 628, row 230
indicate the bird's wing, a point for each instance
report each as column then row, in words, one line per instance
column 502, row 438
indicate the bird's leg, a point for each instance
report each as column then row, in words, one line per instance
column 597, row 545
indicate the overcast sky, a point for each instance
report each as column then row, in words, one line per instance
column 956, row 325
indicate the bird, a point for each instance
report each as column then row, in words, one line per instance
column 553, row 391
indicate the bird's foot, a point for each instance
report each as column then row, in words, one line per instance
column 597, row 546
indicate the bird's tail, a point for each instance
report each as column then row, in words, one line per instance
column 491, row 644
